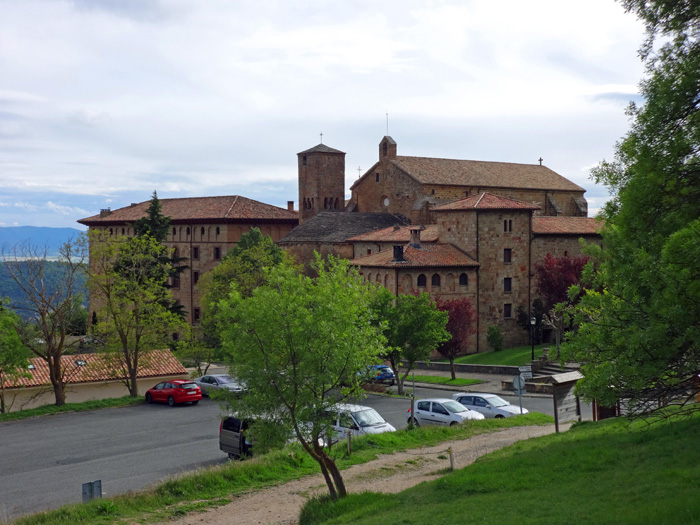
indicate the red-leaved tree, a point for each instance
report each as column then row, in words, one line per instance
column 554, row 277
column 460, row 324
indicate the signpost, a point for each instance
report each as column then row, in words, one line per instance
column 525, row 371
column 519, row 387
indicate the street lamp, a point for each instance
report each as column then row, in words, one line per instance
column 532, row 335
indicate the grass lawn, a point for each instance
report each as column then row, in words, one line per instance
column 518, row 356
column 72, row 407
column 439, row 380
column 210, row 487
column 606, row 472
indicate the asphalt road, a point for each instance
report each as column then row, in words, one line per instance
column 44, row 461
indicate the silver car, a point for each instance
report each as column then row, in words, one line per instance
column 490, row 405
column 441, row 411
column 214, row 382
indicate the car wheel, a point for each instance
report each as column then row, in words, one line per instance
column 499, row 416
column 453, row 423
column 231, row 455
column 195, row 402
column 171, row 401
column 149, row 399
column 415, row 422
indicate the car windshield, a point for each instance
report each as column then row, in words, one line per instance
column 454, row 407
column 496, row 401
column 188, row 386
column 368, row 417
column 224, row 380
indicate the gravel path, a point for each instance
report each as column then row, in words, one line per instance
column 388, row 473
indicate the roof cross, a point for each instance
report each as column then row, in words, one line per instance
column 540, row 159
column 358, row 172
column 322, row 138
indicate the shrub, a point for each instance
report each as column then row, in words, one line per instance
column 495, row 338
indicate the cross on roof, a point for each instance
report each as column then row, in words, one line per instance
column 540, row 159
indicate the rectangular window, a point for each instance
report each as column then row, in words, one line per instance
column 195, row 252
column 507, row 285
column 507, row 311
column 196, row 315
column 507, row 255
column 195, row 277
column 217, row 253
column 369, row 252
column 176, row 282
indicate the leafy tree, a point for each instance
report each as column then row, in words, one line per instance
column 154, row 223
column 49, row 307
column 494, row 337
column 195, row 352
column 639, row 336
column 13, row 354
column 460, row 325
column 298, row 343
column 555, row 275
column 413, row 327
column 246, row 266
column 127, row 278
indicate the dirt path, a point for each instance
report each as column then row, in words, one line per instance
column 388, row 473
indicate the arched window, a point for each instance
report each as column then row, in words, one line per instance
column 201, row 231
column 188, row 231
column 463, row 280
column 174, row 231
column 421, row 281
column 111, row 231
column 406, row 284
column 218, row 230
column 435, row 280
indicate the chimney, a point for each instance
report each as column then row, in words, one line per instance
column 415, row 236
column 104, row 212
column 290, row 205
column 398, row 254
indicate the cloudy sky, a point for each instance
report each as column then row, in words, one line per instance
column 104, row 101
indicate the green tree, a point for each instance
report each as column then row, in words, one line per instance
column 413, row 327
column 297, row 343
column 13, row 354
column 49, row 307
column 127, row 278
column 494, row 337
column 639, row 336
column 154, row 223
column 246, row 267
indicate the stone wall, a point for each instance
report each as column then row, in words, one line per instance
column 321, row 183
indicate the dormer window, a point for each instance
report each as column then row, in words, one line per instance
column 303, row 160
column 376, row 177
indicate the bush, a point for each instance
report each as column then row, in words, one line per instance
column 495, row 338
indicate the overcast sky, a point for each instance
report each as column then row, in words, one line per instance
column 104, row 101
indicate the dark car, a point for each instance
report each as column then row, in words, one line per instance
column 174, row 392
column 379, row 374
column 232, row 437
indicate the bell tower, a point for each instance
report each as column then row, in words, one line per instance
column 321, row 181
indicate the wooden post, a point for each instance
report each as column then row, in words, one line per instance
column 349, row 442
column 452, row 459
column 556, row 410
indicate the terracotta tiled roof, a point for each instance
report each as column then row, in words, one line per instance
column 158, row 363
column 321, row 148
column 483, row 174
column 223, row 209
column 338, row 227
column 427, row 256
column 487, row 201
column 566, row 225
column 398, row 234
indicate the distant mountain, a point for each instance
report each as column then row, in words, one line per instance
column 52, row 238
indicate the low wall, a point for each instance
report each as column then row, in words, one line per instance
column 469, row 369
column 25, row 398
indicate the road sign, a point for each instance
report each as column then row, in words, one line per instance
column 518, row 383
column 525, row 368
column 526, row 375
column 519, row 392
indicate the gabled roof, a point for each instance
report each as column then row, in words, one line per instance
column 338, row 227
column 566, row 225
column 223, row 209
column 486, row 201
column 320, row 148
column 157, row 363
column 398, row 235
column 483, row 174
column 427, row 256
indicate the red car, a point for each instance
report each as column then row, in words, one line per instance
column 175, row 392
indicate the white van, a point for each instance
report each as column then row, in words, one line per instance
column 357, row 420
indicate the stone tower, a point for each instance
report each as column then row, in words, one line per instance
column 321, row 181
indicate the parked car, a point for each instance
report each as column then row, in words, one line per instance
column 357, row 420
column 174, row 392
column 379, row 374
column 213, row 382
column 490, row 405
column 232, row 437
column 441, row 411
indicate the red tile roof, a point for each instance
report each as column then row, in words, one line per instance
column 427, row 256
column 96, row 368
column 486, row 201
column 398, row 234
column 566, row 225
column 483, row 174
column 223, row 209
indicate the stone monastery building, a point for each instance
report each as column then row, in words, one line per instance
column 453, row 228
